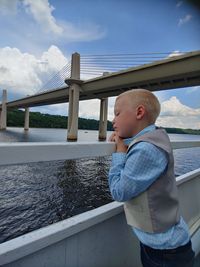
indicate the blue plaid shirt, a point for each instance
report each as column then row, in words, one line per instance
column 132, row 173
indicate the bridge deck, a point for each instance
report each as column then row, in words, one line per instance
column 173, row 72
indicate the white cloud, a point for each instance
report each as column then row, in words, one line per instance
column 23, row 73
column 82, row 32
column 42, row 13
column 175, row 114
column 111, row 103
column 173, row 107
column 57, row 109
column 184, row 20
column 161, row 95
column 89, row 109
column 54, row 59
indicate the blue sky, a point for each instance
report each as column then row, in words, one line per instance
column 38, row 38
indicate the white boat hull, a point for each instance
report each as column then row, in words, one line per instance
column 97, row 238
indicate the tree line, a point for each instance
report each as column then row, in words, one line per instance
column 15, row 118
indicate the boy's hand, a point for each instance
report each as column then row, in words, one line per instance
column 120, row 146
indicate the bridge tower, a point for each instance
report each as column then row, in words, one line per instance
column 103, row 116
column 74, row 91
column 3, row 112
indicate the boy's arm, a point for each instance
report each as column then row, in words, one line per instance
column 132, row 173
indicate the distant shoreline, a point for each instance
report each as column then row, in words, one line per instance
column 39, row 120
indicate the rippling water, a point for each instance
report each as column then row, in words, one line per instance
column 38, row 194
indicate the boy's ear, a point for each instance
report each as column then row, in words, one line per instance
column 140, row 111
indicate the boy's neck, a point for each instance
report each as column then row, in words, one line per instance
column 148, row 128
column 141, row 127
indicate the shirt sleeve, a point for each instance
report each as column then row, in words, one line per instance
column 132, row 173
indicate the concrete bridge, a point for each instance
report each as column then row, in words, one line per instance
column 173, row 72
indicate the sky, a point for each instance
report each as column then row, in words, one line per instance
column 38, row 37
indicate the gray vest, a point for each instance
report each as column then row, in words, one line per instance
column 156, row 209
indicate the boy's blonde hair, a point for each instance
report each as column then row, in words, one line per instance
column 145, row 98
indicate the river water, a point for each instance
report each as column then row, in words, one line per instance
column 38, row 194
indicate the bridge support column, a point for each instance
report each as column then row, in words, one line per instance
column 103, row 119
column 74, row 91
column 72, row 132
column 3, row 119
column 26, row 119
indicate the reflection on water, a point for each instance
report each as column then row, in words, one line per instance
column 186, row 160
column 14, row 134
column 38, row 194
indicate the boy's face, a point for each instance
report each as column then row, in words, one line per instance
column 125, row 120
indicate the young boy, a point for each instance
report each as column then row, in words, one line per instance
column 142, row 176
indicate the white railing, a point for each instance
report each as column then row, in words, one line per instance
column 16, row 153
column 72, row 228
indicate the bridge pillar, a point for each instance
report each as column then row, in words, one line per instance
column 103, row 116
column 26, row 119
column 3, row 119
column 103, row 119
column 72, row 127
column 74, row 91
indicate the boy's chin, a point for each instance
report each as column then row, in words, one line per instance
column 124, row 136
